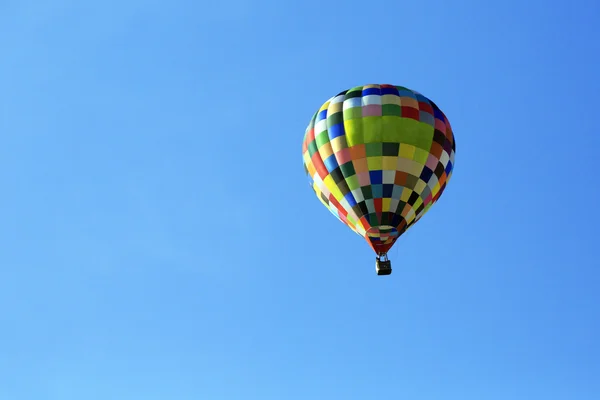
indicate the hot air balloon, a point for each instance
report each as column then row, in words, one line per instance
column 378, row 157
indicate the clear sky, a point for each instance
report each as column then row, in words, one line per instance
column 160, row 240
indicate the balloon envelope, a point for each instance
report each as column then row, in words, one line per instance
column 378, row 157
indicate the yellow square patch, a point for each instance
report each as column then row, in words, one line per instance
column 406, row 192
column 375, row 163
column 389, row 163
column 407, row 151
column 420, row 186
column 325, row 151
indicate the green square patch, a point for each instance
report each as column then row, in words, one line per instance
column 322, row 138
column 400, row 207
column 373, row 219
column 348, row 169
column 352, row 182
column 335, row 118
column 374, row 149
column 390, row 149
column 352, row 113
column 391, row 110
column 367, row 192
column 354, row 92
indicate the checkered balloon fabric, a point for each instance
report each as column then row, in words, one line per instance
column 378, row 157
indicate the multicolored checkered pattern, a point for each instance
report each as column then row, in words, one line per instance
column 378, row 157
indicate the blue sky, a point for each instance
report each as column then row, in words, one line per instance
column 160, row 241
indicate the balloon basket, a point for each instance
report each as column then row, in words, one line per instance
column 383, row 266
